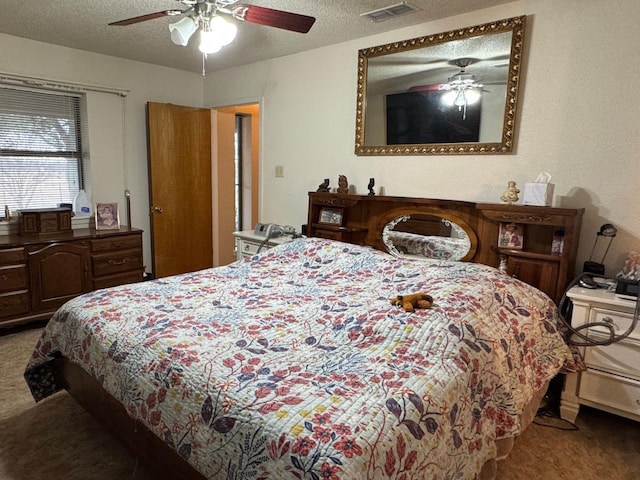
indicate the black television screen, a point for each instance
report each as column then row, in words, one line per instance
column 421, row 117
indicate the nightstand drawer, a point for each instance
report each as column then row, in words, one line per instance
column 616, row 392
column 620, row 357
column 117, row 262
column 249, row 249
column 13, row 278
column 620, row 321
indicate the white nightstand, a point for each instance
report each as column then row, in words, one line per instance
column 612, row 379
column 248, row 243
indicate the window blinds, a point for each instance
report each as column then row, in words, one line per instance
column 40, row 148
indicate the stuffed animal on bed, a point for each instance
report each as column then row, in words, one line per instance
column 410, row 302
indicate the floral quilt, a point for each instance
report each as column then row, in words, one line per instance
column 293, row 364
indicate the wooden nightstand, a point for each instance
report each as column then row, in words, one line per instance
column 612, row 379
column 248, row 244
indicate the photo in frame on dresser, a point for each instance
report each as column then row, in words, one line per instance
column 107, row 217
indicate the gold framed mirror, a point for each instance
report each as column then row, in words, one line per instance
column 449, row 93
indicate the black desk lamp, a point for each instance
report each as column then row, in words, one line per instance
column 606, row 230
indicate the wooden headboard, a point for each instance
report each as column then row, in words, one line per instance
column 545, row 260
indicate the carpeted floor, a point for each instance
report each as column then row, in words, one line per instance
column 57, row 440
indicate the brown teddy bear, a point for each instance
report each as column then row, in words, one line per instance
column 412, row 301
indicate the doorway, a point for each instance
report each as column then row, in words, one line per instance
column 236, row 175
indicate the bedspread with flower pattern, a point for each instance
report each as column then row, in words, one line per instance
column 293, row 364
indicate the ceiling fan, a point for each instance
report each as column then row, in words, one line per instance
column 215, row 31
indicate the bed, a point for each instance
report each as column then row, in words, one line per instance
column 293, row 364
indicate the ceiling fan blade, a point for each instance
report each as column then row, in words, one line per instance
column 148, row 16
column 273, row 18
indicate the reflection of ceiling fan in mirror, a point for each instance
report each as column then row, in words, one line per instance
column 215, row 31
column 462, row 89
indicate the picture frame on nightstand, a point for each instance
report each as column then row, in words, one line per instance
column 331, row 216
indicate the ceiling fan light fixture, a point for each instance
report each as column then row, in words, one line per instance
column 225, row 31
column 209, row 42
column 182, row 30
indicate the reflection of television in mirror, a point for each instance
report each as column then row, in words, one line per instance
column 419, row 117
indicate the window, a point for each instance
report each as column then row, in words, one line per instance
column 41, row 161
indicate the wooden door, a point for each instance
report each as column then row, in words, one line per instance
column 179, row 150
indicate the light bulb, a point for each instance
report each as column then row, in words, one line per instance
column 224, row 30
column 209, row 42
column 472, row 95
column 448, row 97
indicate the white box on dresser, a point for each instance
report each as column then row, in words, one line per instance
column 612, row 379
column 248, row 243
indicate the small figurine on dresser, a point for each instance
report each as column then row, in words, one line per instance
column 510, row 195
column 343, row 184
column 324, row 186
column 372, row 182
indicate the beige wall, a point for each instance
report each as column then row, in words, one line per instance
column 578, row 120
column 113, row 168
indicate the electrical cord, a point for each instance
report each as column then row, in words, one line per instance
column 564, row 311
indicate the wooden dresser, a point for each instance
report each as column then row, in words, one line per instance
column 39, row 273
column 545, row 258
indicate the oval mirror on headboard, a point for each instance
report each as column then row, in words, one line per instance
column 430, row 236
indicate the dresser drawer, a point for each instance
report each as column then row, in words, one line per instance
column 116, row 262
column 610, row 390
column 114, row 280
column 15, row 303
column 12, row 256
column 13, row 278
column 121, row 242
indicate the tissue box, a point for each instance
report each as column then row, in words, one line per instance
column 540, row 194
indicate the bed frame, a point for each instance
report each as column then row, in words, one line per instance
column 363, row 219
column 111, row 414
column 163, row 460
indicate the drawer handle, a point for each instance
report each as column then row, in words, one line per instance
column 246, row 248
column 3, row 277
column 610, row 323
column 119, row 262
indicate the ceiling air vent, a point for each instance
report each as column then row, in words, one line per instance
column 387, row 13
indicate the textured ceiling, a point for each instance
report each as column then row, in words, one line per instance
column 84, row 25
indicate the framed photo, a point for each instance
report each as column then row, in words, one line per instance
column 331, row 216
column 107, row 217
column 511, row 236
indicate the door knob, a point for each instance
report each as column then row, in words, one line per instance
column 156, row 209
